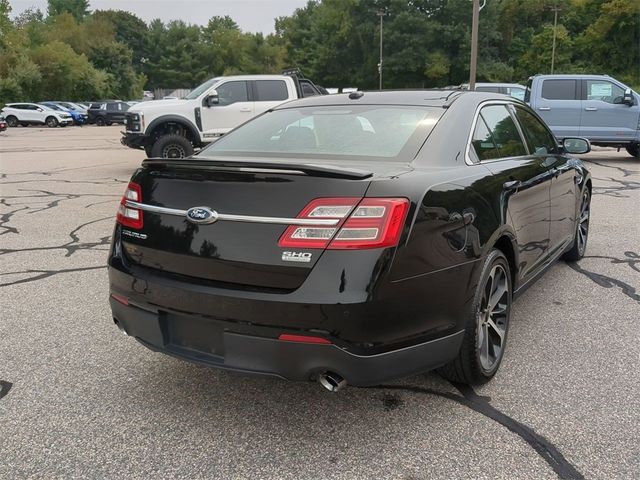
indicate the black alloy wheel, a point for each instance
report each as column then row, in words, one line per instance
column 582, row 230
column 485, row 336
column 52, row 122
column 100, row 121
column 12, row 121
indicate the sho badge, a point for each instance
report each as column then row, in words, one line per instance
column 202, row 215
column 303, row 257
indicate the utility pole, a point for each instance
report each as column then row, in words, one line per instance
column 380, row 14
column 474, row 44
column 555, row 11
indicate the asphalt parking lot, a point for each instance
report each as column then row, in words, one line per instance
column 80, row 400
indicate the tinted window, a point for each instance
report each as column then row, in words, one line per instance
column 332, row 132
column 232, row 92
column 271, row 90
column 559, row 89
column 307, row 89
column 504, row 131
column 33, row 107
column 112, row 107
column 604, row 91
column 540, row 141
column 97, row 106
column 483, row 143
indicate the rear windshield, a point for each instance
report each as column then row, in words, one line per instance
column 332, row 132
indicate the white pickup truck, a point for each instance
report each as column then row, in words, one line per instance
column 175, row 128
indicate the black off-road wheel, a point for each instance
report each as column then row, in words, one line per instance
column 634, row 150
column 581, row 235
column 485, row 335
column 172, row 146
column 100, row 121
column 12, row 121
column 51, row 122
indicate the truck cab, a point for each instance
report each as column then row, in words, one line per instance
column 175, row 128
column 596, row 107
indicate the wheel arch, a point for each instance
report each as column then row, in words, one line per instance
column 163, row 122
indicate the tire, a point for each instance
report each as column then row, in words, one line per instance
column 109, row 123
column 51, row 122
column 479, row 360
column 12, row 121
column 147, row 151
column 172, row 146
column 100, row 121
column 634, row 150
column 581, row 234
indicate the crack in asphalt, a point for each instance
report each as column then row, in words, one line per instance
column 632, row 260
column 71, row 246
column 6, row 217
column 613, row 191
column 44, row 274
column 4, row 388
column 624, row 171
column 480, row 404
column 606, row 281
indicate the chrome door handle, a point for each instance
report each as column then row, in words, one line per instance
column 591, row 109
column 544, row 109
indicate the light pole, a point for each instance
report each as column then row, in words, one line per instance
column 380, row 14
column 474, row 44
column 555, row 11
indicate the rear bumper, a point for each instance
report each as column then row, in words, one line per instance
column 209, row 342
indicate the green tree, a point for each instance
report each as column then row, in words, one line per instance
column 78, row 8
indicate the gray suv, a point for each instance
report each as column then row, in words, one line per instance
column 596, row 107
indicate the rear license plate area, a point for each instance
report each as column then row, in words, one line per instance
column 194, row 334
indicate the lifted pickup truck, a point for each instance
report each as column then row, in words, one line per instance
column 596, row 107
column 174, row 128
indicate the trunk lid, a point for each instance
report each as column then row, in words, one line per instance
column 235, row 254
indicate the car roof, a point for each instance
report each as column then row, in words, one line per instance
column 430, row 98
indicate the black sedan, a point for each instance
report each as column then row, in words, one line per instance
column 350, row 238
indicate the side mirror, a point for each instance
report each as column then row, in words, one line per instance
column 211, row 99
column 627, row 98
column 576, row 145
column 40, row 110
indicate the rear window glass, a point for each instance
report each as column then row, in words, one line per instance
column 559, row 89
column 374, row 132
column 271, row 90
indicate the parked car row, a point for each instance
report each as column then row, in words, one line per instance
column 53, row 113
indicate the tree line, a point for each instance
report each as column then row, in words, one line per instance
column 69, row 52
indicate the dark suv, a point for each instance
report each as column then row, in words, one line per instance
column 107, row 112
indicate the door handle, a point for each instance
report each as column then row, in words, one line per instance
column 591, row 109
column 544, row 109
column 245, row 109
column 511, row 185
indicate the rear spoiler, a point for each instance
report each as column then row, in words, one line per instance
column 310, row 169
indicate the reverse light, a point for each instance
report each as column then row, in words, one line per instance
column 370, row 223
column 130, row 217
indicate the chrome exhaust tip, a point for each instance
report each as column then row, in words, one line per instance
column 120, row 327
column 332, row 381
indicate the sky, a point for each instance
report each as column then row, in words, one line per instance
column 250, row 15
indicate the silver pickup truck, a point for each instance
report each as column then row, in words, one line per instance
column 596, row 107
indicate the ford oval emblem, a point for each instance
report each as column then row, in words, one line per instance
column 202, row 215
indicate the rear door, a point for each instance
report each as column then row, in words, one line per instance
column 604, row 116
column 235, row 106
column 560, row 106
column 525, row 180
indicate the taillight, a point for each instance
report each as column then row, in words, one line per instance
column 371, row 223
column 127, row 216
